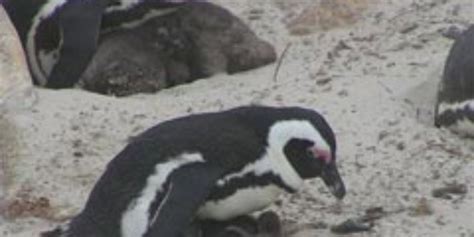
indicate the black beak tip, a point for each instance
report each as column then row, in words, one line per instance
column 334, row 182
column 338, row 190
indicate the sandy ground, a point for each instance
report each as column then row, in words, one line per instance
column 375, row 82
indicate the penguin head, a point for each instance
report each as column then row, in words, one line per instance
column 309, row 145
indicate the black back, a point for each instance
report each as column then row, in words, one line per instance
column 261, row 118
column 458, row 76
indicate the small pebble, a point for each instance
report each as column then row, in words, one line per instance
column 351, row 226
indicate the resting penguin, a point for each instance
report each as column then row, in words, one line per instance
column 455, row 107
column 210, row 166
column 60, row 36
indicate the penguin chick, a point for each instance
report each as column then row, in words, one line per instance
column 240, row 226
column 267, row 225
column 209, row 166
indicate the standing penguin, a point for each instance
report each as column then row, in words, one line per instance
column 455, row 106
column 210, row 166
column 61, row 36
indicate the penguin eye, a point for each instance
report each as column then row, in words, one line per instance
column 299, row 148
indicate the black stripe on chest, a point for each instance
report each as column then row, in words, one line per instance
column 249, row 180
column 450, row 116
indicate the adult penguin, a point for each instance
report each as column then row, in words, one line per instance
column 210, row 166
column 455, row 106
column 61, row 36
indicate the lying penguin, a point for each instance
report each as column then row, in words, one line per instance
column 210, row 166
column 61, row 36
column 196, row 41
column 455, row 106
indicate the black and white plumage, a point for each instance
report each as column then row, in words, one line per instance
column 213, row 166
column 455, row 106
column 61, row 36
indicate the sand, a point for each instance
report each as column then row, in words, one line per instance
column 373, row 75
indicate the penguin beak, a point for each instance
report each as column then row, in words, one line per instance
column 333, row 180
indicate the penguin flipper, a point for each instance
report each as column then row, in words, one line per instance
column 188, row 189
column 80, row 25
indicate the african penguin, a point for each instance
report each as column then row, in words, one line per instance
column 209, row 166
column 455, row 106
column 61, row 36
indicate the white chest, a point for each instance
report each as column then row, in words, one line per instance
column 245, row 201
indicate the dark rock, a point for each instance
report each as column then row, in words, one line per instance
column 351, row 226
column 409, row 28
column 194, row 42
column 448, row 190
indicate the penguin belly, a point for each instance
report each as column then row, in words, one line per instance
column 244, row 201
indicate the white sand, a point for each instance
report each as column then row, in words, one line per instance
column 378, row 98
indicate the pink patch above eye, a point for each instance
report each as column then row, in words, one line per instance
column 322, row 154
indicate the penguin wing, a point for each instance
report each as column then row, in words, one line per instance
column 189, row 187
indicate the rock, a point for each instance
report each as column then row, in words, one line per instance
column 194, row 42
column 408, row 28
column 15, row 82
column 455, row 104
column 15, row 94
column 351, row 226
column 448, row 190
